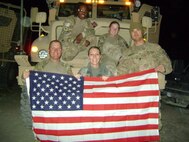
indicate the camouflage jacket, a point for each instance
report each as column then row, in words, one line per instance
column 69, row 31
column 89, row 71
column 112, row 47
column 49, row 66
column 71, row 28
column 146, row 56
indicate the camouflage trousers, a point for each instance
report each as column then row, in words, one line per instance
column 160, row 119
column 70, row 51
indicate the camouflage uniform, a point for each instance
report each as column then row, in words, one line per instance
column 49, row 66
column 146, row 56
column 143, row 57
column 112, row 49
column 90, row 71
column 71, row 28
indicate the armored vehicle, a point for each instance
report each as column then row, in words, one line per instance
column 101, row 11
column 10, row 41
column 176, row 92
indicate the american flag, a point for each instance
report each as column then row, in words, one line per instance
column 120, row 109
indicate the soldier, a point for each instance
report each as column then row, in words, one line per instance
column 112, row 46
column 144, row 55
column 53, row 64
column 77, row 33
column 95, row 68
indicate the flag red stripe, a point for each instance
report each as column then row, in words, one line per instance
column 94, row 130
column 93, row 119
column 119, row 106
column 126, row 94
column 128, row 84
column 98, row 79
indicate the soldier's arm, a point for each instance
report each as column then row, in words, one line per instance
column 123, row 43
column 164, row 60
column 83, row 71
column 88, row 30
column 70, row 53
column 66, row 29
column 101, row 40
column 38, row 66
column 26, row 73
column 69, row 70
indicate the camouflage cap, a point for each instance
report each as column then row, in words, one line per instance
column 136, row 25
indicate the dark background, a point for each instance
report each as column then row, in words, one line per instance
column 174, row 26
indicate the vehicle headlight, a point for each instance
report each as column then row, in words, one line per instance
column 34, row 49
column 43, row 54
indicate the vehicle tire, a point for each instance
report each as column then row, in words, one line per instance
column 11, row 74
column 25, row 108
column 8, row 73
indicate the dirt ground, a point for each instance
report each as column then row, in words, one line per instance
column 175, row 120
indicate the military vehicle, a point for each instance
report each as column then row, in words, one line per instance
column 176, row 92
column 102, row 12
column 10, row 41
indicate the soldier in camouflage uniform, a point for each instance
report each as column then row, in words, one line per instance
column 77, row 33
column 144, row 55
column 95, row 68
column 112, row 46
column 53, row 64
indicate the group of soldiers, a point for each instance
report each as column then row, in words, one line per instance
column 78, row 35
column 110, row 57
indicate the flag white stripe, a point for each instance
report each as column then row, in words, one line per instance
column 104, row 136
column 89, row 125
column 84, row 113
column 147, row 87
column 120, row 100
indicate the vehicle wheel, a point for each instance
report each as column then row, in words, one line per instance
column 11, row 74
column 25, row 108
column 8, row 73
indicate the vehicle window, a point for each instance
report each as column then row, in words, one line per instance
column 113, row 11
column 4, row 21
column 68, row 9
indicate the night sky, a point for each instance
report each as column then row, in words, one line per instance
column 174, row 26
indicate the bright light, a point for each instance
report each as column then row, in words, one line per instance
column 95, row 1
column 34, row 49
column 61, row 1
column 42, row 35
column 128, row 3
column 88, row 1
column 101, row 1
